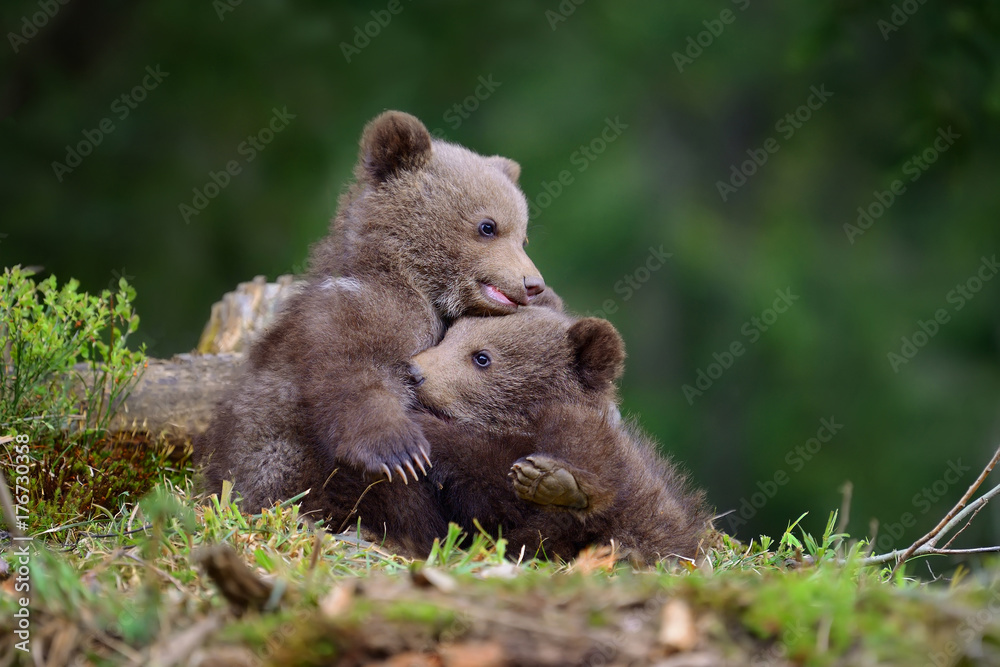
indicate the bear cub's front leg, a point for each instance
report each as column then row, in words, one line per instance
column 377, row 434
column 544, row 480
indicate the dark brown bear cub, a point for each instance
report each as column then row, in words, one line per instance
column 533, row 395
column 428, row 232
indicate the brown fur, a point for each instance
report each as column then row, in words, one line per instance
column 549, row 393
column 326, row 388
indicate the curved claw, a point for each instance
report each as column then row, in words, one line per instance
column 420, row 464
column 385, row 469
column 402, row 474
column 426, row 458
column 409, row 466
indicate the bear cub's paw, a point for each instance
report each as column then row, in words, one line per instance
column 397, row 450
column 542, row 480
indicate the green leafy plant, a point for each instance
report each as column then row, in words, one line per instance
column 65, row 356
column 66, row 368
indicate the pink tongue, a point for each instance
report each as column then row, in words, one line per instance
column 497, row 295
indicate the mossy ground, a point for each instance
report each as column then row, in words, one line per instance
column 81, row 482
column 115, row 581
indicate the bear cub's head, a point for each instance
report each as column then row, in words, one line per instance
column 452, row 221
column 501, row 372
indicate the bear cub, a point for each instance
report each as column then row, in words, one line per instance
column 522, row 415
column 428, row 232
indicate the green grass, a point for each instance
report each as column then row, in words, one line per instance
column 126, row 586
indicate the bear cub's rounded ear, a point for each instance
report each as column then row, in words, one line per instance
column 393, row 142
column 510, row 169
column 599, row 351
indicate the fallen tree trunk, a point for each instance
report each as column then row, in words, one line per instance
column 177, row 396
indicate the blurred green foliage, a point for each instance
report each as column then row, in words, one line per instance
column 690, row 88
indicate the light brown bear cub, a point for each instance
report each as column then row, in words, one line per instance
column 532, row 396
column 430, row 231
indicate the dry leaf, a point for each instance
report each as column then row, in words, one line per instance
column 428, row 576
column 677, row 630
column 410, row 659
column 505, row 570
column 595, row 559
column 338, row 600
column 472, row 654
column 224, row 656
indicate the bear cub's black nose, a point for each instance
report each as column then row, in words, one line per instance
column 416, row 377
column 534, row 285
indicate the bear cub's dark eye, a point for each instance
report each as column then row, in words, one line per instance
column 481, row 359
column 487, row 228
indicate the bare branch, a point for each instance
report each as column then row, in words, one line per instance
column 927, row 550
column 935, row 533
column 967, row 524
column 927, row 545
column 971, row 509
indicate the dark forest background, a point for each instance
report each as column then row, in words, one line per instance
column 646, row 107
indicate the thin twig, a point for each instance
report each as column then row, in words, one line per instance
column 967, row 524
column 973, row 550
column 882, row 558
column 971, row 509
column 355, row 508
column 927, row 550
column 946, row 523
